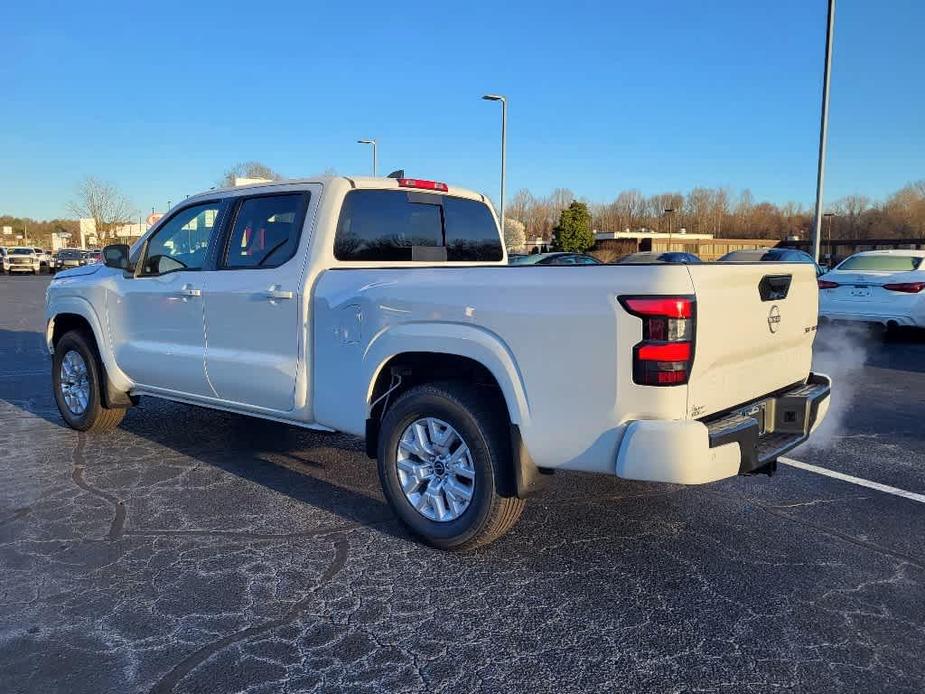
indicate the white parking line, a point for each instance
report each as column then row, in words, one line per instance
column 853, row 480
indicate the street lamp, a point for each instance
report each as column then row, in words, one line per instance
column 375, row 155
column 823, row 129
column 503, row 100
column 829, row 215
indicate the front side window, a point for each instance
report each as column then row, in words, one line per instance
column 182, row 243
column 266, row 231
column 398, row 225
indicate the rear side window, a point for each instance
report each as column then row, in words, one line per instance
column 266, row 231
column 394, row 225
column 885, row 263
column 471, row 232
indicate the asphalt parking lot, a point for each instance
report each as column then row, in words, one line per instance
column 195, row 551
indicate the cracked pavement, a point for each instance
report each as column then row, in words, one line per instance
column 195, row 551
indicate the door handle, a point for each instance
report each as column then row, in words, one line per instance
column 187, row 290
column 277, row 294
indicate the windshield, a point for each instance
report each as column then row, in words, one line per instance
column 69, row 255
column 882, row 263
column 23, row 251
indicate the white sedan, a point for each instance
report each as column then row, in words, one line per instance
column 886, row 287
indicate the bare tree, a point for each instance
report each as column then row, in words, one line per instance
column 102, row 202
column 514, row 236
column 248, row 169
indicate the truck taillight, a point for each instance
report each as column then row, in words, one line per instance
column 666, row 354
column 906, row 287
column 422, row 184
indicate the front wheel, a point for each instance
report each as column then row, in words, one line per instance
column 443, row 448
column 76, row 376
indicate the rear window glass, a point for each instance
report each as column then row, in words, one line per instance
column 887, row 263
column 471, row 232
column 398, row 225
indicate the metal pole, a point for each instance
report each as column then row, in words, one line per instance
column 503, row 100
column 823, row 131
column 375, row 153
column 503, row 158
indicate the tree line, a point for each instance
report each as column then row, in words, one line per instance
column 724, row 213
column 718, row 211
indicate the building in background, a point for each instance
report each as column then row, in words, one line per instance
column 245, row 181
column 88, row 233
column 127, row 233
column 610, row 245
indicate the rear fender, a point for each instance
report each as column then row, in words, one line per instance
column 469, row 341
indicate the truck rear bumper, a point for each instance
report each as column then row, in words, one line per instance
column 737, row 442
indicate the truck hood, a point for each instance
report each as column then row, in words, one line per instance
column 79, row 271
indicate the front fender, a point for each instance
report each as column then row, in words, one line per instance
column 81, row 307
column 438, row 337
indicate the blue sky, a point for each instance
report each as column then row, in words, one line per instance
column 162, row 97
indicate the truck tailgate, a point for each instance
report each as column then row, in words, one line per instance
column 755, row 328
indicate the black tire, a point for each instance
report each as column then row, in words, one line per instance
column 481, row 421
column 95, row 417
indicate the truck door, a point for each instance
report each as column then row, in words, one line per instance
column 155, row 318
column 254, row 302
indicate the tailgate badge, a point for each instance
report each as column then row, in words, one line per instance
column 774, row 319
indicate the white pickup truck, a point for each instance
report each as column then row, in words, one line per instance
column 385, row 308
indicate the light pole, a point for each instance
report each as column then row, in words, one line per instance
column 375, row 154
column 668, row 211
column 823, row 130
column 503, row 100
column 829, row 215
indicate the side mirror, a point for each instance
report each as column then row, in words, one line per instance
column 116, row 256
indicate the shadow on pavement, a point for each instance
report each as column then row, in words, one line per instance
column 283, row 458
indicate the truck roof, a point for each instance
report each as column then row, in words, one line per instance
column 359, row 182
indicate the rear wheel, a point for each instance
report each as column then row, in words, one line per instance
column 76, row 376
column 443, row 448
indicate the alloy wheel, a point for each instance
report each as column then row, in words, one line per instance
column 435, row 469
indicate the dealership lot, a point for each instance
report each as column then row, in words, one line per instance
column 199, row 551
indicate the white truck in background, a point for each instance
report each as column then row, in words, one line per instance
column 385, row 308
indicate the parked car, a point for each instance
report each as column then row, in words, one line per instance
column 557, row 258
column 24, row 260
column 68, row 258
column 771, row 255
column 384, row 308
column 644, row 257
column 885, row 287
column 44, row 258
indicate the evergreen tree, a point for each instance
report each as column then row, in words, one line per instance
column 573, row 232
